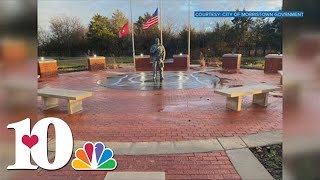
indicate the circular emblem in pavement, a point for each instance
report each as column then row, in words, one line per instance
column 172, row 80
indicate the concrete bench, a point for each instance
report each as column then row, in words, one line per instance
column 234, row 95
column 50, row 97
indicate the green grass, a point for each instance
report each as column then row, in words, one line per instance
column 246, row 62
column 252, row 63
column 71, row 64
column 252, row 59
column 120, row 60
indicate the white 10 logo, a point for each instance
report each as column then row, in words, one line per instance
column 36, row 144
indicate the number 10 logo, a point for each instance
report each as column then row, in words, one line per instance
column 35, row 142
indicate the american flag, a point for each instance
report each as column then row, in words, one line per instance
column 153, row 20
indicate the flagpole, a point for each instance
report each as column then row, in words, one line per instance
column 132, row 33
column 161, row 37
column 189, row 34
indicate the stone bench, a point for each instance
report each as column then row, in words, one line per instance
column 50, row 97
column 234, row 95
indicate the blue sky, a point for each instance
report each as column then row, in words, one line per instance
column 174, row 12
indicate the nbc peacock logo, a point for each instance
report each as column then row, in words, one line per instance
column 94, row 157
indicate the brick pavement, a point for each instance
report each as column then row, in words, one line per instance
column 200, row 166
column 170, row 115
column 123, row 115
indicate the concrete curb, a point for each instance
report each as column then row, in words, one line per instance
column 135, row 176
column 247, row 165
column 184, row 147
column 262, row 139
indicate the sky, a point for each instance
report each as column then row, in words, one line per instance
column 174, row 12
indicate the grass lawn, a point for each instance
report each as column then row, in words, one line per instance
column 70, row 64
column 252, row 63
column 246, row 62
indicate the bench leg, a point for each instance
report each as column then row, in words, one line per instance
column 74, row 106
column 50, row 102
column 234, row 103
column 261, row 99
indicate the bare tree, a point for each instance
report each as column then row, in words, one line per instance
column 66, row 32
column 169, row 25
column 44, row 40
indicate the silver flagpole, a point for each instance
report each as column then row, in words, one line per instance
column 161, row 22
column 189, row 34
column 132, row 33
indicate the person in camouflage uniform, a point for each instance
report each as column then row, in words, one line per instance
column 158, row 55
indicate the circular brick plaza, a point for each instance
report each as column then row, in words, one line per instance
column 121, row 115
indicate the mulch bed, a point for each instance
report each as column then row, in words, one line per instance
column 271, row 158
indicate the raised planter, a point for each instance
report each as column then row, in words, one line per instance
column 143, row 63
column 273, row 63
column 231, row 63
column 178, row 63
column 47, row 68
column 96, row 63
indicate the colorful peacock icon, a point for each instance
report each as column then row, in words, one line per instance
column 94, row 157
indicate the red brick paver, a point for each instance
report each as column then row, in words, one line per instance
column 167, row 115
column 200, row 166
column 123, row 115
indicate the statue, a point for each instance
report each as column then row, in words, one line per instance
column 158, row 55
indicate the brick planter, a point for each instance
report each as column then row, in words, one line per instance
column 143, row 63
column 231, row 63
column 96, row 63
column 47, row 68
column 178, row 63
column 273, row 63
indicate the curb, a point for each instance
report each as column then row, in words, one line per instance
column 185, row 147
column 247, row 165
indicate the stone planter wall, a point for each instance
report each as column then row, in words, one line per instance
column 143, row 63
column 47, row 68
column 273, row 63
column 96, row 63
column 231, row 63
column 179, row 63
